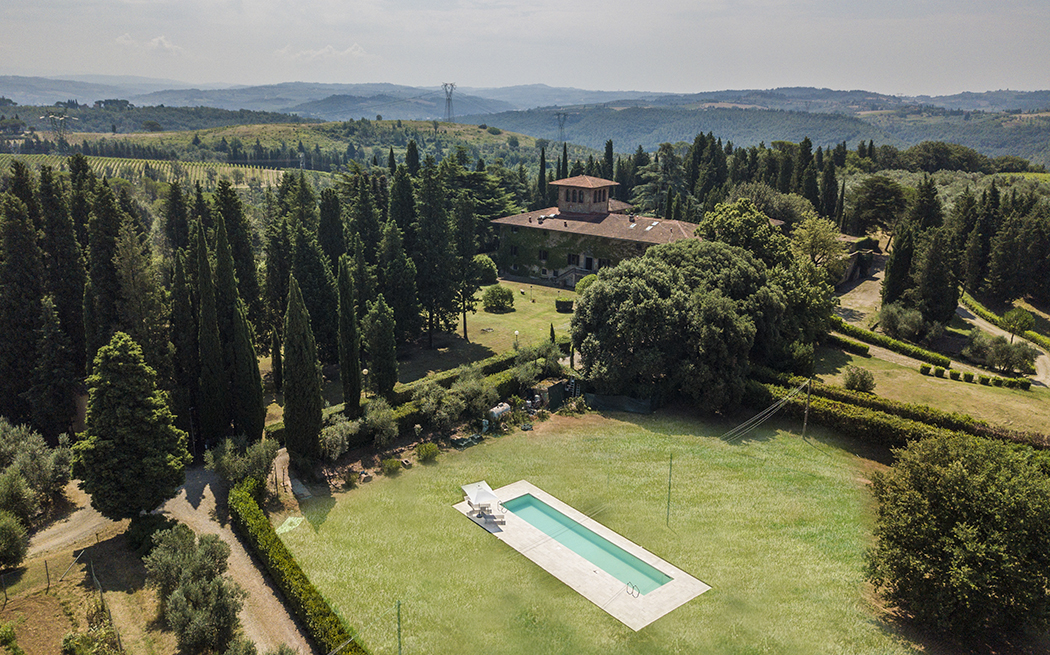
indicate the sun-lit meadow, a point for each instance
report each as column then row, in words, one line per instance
column 777, row 525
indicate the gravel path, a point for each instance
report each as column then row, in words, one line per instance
column 264, row 617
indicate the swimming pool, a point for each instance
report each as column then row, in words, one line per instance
column 596, row 549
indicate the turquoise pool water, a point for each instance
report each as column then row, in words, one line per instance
column 596, row 549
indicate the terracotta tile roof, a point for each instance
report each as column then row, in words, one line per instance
column 644, row 229
column 585, row 182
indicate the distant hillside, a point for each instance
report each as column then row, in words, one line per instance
column 91, row 119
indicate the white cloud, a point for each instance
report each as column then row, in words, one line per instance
column 327, row 53
column 157, row 44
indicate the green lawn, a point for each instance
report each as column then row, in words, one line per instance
column 1013, row 408
column 776, row 525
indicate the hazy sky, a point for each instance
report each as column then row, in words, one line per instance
column 891, row 46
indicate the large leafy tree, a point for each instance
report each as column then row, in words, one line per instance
column 963, row 534
column 878, row 201
column 741, row 224
column 131, row 458
column 302, row 378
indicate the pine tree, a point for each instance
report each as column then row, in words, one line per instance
column 103, row 232
column 302, row 393
column 131, row 458
column 64, row 270
column 21, row 293
column 331, row 232
column 396, row 275
column 349, row 340
column 464, row 247
column 186, row 363
column 898, row 267
column 434, row 261
column 52, row 395
column 249, row 410
column 381, row 348
column 214, row 391
column 318, row 291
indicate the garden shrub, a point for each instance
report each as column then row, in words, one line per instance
column 938, row 371
column 859, row 379
column 1024, row 384
column 967, row 376
column 339, row 435
column 997, row 382
column 563, row 305
column 585, row 282
column 16, row 497
column 142, row 528
column 486, row 270
column 391, row 466
column 427, row 451
column 848, row 345
column 954, row 374
column 497, row 299
column 322, row 624
column 379, row 422
column 924, row 369
column 233, row 460
column 984, row 379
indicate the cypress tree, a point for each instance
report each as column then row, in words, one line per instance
column 176, row 218
column 20, row 185
column 349, row 341
column 21, row 293
column 186, row 365
column 937, row 286
column 366, row 281
column 607, row 162
column 214, row 401
column 464, row 247
column 1009, row 270
column 82, row 179
column 403, row 206
column 364, row 220
column 412, row 158
column 276, row 365
column 228, row 205
column 381, row 346
column 278, row 267
column 226, row 294
column 541, row 182
column 143, row 305
column 829, row 187
column 391, row 163
column 64, row 270
column 103, row 232
column 318, row 291
column 397, row 282
column 563, row 164
column 55, row 379
column 331, row 232
column 897, row 279
column 925, row 212
column 302, row 395
column 131, row 458
column 249, row 410
column 810, row 190
column 434, row 261
column 202, row 213
column 552, row 334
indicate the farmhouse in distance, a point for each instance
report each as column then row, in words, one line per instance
column 584, row 233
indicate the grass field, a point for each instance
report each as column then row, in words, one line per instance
column 1013, row 408
column 776, row 525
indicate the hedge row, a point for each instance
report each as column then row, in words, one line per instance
column 869, row 425
column 921, row 413
column 971, row 303
column 849, row 345
column 901, row 347
column 321, row 622
column 1010, row 383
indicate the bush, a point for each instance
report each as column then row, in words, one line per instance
column 563, row 305
column 967, row 376
column 391, row 466
column 379, row 422
column 1024, row 384
column 924, row 369
column 859, row 379
column 339, row 435
column 874, row 338
column 13, row 542
column 427, row 452
column 324, row 627
column 234, row 460
column 954, row 374
column 141, row 530
column 495, row 131
column 486, row 270
column 848, row 345
column 585, row 282
column 984, row 379
column 16, row 497
column 938, row 371
column 497, row 299
column 997, row 382
column 950, row 549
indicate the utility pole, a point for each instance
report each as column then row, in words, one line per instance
column 561, row 125
column 449, row 87
column 805, row 419
column 670, row 466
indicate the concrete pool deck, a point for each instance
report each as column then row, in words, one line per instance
column 614, row 597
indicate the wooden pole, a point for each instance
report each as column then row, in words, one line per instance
column 399, row 627
column 48, row 574
column 805, row 419
column 670, row 466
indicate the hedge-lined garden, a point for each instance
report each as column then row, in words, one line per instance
column 971, row 303
column 874, row 338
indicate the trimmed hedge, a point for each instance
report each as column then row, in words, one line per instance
column 920, row 413
column 849, row 345
column 900, row 347
column 321, row 622
column 563, row 305
column 971, row 303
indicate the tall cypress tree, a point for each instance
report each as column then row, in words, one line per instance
column 381, row 347
column 937, row 286
column 228, row 205
column 364, row 219
column 82, row 179
column 52, row 394
column 278, row 267
column 434, row 256
column 176, row 218
column 925, row 211
column 143, row 304
column 318, row 291
column 412, row 158
column 64, row 270
column 20, row 185
column 897, row 279
column 349, row 340
column 829, row 187
column 397, row 282
column 391, row 163
column 186, row 365
column 403, row 206
column 214, row 400
column 302, row 389
column 202, row 213
column 249, row 410
column 541, row 182
column 366, row 282
column 103, row 231
column 21, row 293
column 276, row 363
column 464, row 247
column 331, row 231
column 226, row 294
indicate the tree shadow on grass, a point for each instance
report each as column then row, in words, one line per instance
column 830, row 361
column 450, row 351
column 317, row 507
column 850, row 315
column 935, row 643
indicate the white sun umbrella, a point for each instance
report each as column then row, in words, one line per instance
column 480, row 493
